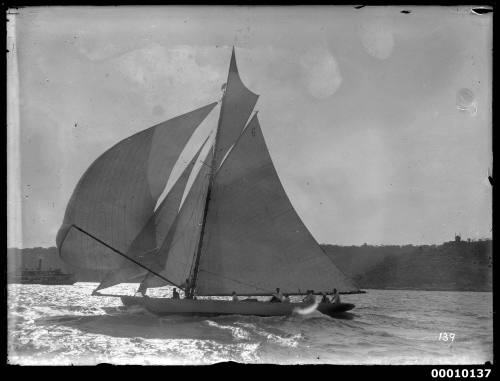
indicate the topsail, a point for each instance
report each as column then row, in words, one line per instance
column 237, row 106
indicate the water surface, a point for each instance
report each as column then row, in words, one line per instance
column 66, row 325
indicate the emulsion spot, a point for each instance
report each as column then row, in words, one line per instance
column 377, row 39
column 321, row 72
column 158, row 110
column 465, row 101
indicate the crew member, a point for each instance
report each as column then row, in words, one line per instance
column 324, row 299
column 336, row 296
column 234, row 296
column 277, row 296
column 310, row 298
column 175, row 294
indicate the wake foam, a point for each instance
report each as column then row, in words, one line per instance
column 306, row 310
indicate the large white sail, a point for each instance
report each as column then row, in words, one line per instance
column 236, row 229
column 254, row 241
column 154, row 232
column 116, row 196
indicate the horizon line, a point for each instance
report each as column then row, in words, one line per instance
column 331, row 244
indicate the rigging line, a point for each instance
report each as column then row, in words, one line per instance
column 209, row 166
column 198, row 223
column 192, row 221
column 178, row 237
column 250, row 118
column 200, row 240
column 163, row 196
column 123, row 255
column 212, row 174
column 194, row 275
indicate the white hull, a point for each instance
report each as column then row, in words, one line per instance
column 164, row 306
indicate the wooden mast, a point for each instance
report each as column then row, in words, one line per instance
column 192, row 282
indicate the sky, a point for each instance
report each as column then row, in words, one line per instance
column 378, row 122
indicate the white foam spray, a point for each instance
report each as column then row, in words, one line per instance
column 306, row 310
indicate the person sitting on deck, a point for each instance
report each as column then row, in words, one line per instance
column 324, row 299
column 234, row 296
column 277, row 296
column 310, row 298
column 336, row 296
column 175, row 294
column 191, row 294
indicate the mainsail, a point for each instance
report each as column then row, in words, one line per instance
column 116, row 196
column 254, row 241
column 235, row 231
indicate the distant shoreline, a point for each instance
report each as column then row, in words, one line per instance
column 452, row 266
column 365, row 245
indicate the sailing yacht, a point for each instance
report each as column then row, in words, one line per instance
column 233, row 230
